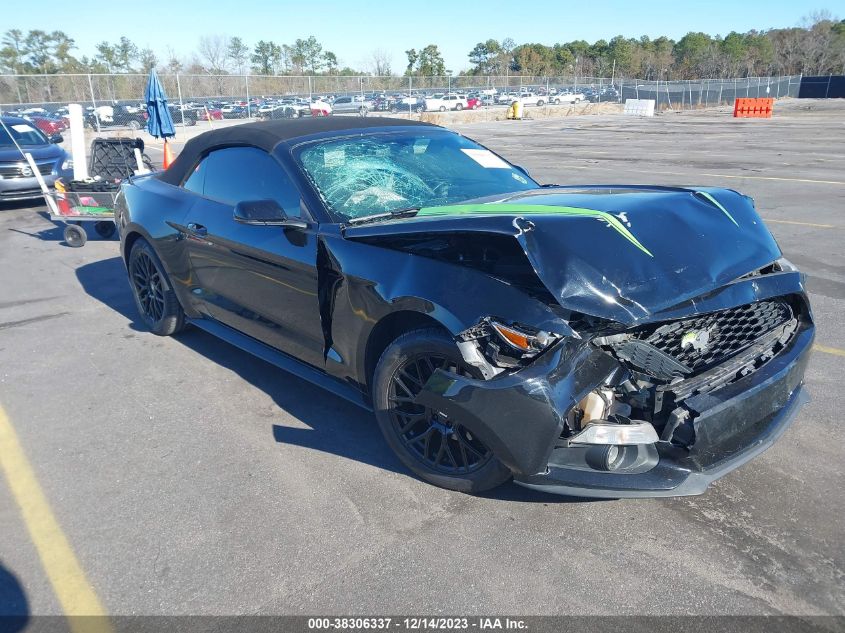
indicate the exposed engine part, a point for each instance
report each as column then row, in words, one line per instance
column 595, row 406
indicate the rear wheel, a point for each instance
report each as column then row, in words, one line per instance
column 437, row 449
column 153, row 292
column 443, row 108
column 104, row 229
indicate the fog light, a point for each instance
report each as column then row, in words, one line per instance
column 606, row 457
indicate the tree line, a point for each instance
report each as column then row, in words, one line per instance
column 817, row 47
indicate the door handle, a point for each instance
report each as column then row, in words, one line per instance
column 197, row 229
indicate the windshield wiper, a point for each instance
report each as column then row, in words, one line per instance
column 389, row 215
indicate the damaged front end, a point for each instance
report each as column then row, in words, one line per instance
column 660, row 408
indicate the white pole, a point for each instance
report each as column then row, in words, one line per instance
column 94, row 102
column 181, row 105
column 246, row 83
column 77, row 142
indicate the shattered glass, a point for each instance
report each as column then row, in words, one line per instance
column 380, row 172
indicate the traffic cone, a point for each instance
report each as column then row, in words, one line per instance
column 168, row 155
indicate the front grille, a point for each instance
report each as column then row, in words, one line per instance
column 689, row 346
column 727, row 332
column 15, row 170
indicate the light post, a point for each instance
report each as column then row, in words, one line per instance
column 449, row 79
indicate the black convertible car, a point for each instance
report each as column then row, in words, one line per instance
column 601, row 341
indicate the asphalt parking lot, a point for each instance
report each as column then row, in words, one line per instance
column 191, row 478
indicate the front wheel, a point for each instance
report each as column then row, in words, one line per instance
column 436, row 448
column 75, row 236
column 134, row 125
column 540, row 102
column 154, row 296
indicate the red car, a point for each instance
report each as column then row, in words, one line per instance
column 210, row 114
column 473, row 103
column 49, row 126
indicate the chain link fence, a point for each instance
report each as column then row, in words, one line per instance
column 115, row 99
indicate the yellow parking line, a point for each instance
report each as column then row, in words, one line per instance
column 818, row 226
column 72, row 588
column 828, row 350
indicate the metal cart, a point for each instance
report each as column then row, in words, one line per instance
column 74, row 208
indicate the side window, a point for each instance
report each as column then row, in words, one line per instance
column 196, row 181
column 236, row 174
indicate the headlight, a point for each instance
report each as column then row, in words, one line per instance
column 494, row 347
column 522, row 340
column 67, row 164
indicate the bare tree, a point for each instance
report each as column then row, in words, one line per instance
column 379, row 63
column 214, row 52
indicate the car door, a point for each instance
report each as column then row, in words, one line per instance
column 258, row 279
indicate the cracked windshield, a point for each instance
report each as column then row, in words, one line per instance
column 359, row 177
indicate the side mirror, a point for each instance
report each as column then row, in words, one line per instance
column 57, row 138
column 265, row 212
column 522, row 169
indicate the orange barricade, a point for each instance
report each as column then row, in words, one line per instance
column 754, row 108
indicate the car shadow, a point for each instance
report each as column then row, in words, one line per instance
column 335, row 426
column 14, row 606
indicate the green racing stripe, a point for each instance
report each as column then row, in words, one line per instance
column 539, row 209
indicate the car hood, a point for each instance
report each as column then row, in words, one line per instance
column 622, row 253
column 39, row 152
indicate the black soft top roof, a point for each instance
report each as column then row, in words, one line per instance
column 267, row 134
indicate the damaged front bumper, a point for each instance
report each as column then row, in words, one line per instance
column 520, row 416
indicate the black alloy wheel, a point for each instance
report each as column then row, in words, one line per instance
column 154, row 296
column 441, row 444
column 438, row 449
column 147, row 282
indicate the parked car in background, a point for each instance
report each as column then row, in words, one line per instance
column 47, row 125
column 17, row 180
column 116, row 115
column 349, row 104
column 281, row 112
column 445, row 102
column 507, row 98
column 568, row 97
column 182, row 116
column 531, row 98
column 473, row 103
column 210, row 114
column 232, row 111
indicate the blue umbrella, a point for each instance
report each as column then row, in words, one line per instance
column 159, row 121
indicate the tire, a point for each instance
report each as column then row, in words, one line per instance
column 556, row 102
column 459, row 107
column 105, row 229
column 134, row 125
column 75, row 236
column 443, row 108
column 153, row 292
column 423, row 439
column 540, row 102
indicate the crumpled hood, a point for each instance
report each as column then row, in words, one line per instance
column 616, row 252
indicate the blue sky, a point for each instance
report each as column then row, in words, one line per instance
column 354, row 29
